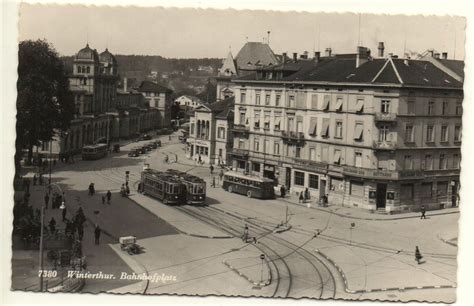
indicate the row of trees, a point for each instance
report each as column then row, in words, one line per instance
column 44, row 102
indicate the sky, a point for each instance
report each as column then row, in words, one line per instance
column 198, row 33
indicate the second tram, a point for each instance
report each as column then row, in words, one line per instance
column 195, row 187
column 95, row 151
column 163, row 186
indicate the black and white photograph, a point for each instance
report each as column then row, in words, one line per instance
column 272, row 154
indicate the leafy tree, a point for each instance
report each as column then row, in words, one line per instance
column 44, row 102
column 209, row 94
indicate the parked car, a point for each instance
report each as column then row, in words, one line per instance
column 142, row 150
column 158, row 142
column 134, row 153
column 153, row 145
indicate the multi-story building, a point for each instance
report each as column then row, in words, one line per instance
column 210, row 132
column 252, row 56
column 188, row 101
column 158, row 97
column 374, row 133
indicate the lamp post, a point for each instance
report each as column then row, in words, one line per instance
column 262, row 257
column 42, row 233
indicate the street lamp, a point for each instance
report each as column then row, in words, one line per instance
column 262, row 257
column 42, row 231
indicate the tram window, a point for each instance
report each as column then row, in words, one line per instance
column 200, row 189
column 236, row 179
column 256, row 184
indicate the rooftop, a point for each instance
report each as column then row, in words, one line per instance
column 148, row 86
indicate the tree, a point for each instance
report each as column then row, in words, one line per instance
column 45, row 103
column 209, row 94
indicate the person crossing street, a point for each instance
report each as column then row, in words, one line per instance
column 418, row 256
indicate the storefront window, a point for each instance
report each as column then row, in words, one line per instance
column 299, row 178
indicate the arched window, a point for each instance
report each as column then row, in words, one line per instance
column 88, row 69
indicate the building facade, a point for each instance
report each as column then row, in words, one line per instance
column 159, row 98
column 374, row 133
column 210, row 134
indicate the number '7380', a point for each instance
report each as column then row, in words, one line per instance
column 47, row 273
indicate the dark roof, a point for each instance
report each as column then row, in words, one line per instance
column 255, row 54
column 454, row 65
column 87, row 53
column 148, row 86
column 107, row 57
column 221, row 109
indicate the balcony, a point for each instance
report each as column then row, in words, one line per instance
column 386, row 117
column 292, row 136
column 242, row 153
column 241, row 128
column 385, row 145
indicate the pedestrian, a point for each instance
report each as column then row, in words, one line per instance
column 64, row 211
column 254, row 240
column 301, row 198
column 109, row 196
column 418, row 256
column 211, row 168
column 35, row 178
column 52, row 225
column 199, row 159
column 176, row 158
column 97, row 234
column 103, row 200
column 306, row 195
column 46, row 200
column 213, row 182
column 127, row 189
column 246, row 233
column 282, row 191
column 221, row 175
column 423, row 212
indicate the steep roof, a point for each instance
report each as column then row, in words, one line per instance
column 87, row 53
column 254, row 54
column 220, row 109
column 228, row 66
column 148, row 86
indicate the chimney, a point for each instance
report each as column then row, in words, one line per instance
column 328, row 52
column 431, row 52
column 317, row 56
column 284, row 57
column 125, row 84
column 295, row 56
column 436, row 55
column 304, row 56
column 362, row 56
column 381, row 48
column 445, row 55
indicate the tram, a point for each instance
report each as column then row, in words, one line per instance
column 95, row 151
column 163, row 186
column 251, row 186
column 195, row 187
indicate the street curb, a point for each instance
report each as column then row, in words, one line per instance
column 346, row 284
column 366, row 218
column 260, row 284
column 447, row 241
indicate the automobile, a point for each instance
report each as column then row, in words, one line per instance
column 141, row 150
column 158, row 142
column 134, row 153
column 146, row 137
column 153, row 145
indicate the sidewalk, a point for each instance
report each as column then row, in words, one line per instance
column 360, row 214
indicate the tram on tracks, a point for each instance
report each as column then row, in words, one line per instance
column 251, row 186
column 163, row 186
column 95, row 151
column 195, row 187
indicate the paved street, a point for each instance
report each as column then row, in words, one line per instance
column 195, row 244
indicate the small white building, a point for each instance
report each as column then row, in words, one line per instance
column 189, row 101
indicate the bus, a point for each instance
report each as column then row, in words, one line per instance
column 195, row 187
column 251, row 186
column 95, row 151
column 162, row 186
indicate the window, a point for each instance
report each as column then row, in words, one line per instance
column 408, row 162
column 257, row 120
column 220, row 152
column 299, row 124
column 298, row 152
column 444, row 133
column 242, row 119
column 456, row 161
column 431, row 108
column 426, row 191
column 221, row 132
column 338, row 105
column 243, row 98
column 429, row 134
column 358, row 159
column 313, row 181
column 409, row 133
column 276, row 148
column 192, row 128
column 299, row 178
column 241, row 143
column 291, row 124
column 256, row 167
column 312, row 153
column 337, row 157
column 338, row 129
column 325, row 128
column 385, row 106
column 428, row 162
column 457, row 133
column 411, row 107
column 359, row 105
column 266, row 146
column 357, row 188
column 266, row 120
column 312, row 126
column 257, row 99
column 442, row 188
column 256, row 145
column 267, row 99
column 442, row 161
column 325, row 104
column 88, row 69
column 291, row 101
column 406, row 192
column 277, row 99
column 314, row 101
column 444, row 111
column 458, row 109
column 359, row 130
column 277, row 121
column 383, row 133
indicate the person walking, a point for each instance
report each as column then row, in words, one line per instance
column 246, row 233
column 307, row 196
column 423, row 212
column 418, row 256
column 97, row 232
column 282, row 191
column 52, row 225
column 221, row 175
column 213, row 182
column 109, row 196
column 199, row 159
column 211, row 168
column 301, row 198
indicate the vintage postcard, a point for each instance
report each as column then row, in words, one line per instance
column 250, row 153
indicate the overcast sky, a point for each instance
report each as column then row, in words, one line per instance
column 186, row 33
